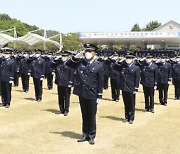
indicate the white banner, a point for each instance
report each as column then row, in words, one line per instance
column 130, row 35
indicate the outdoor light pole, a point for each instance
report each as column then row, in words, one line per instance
column 15, row 36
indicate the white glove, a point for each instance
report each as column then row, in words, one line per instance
column 155, row 87
column 69, row 86
column 32, row 55
column 121, row 60
column 169, row 82
column 41, row 79
column 29, row 74
column 142, row 59
column 98, row 100
column 11, row 82
column 58, row 57
column 79, row 55
column 53, row 73
column 134, row 92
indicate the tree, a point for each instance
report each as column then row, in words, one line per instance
column 71, row 41
column 136, row 28
column 152, row 25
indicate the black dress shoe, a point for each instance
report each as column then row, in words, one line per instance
column 117, row 100
column 7, row 106
column 146, row 110
column 175, row 98
column 130, row 121
column 91, row 141
column 125, row 120
column 38, row 100
column 152, row 110
column 82, row 139
column 65, row 113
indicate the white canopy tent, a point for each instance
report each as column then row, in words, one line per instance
column 30, row 38
column 4, row 39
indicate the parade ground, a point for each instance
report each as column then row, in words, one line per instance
column 28, row 127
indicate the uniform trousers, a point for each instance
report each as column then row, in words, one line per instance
column 177, row 88
column 115, row 89
column 6, row 92
column 64, row 98
column 49, row 77
column 38, row 88
column 149, row 97
column 163, row 92
column 25, row 82
column 88, row 110
column 129, row 104
column 106, row 78
column 16, row 79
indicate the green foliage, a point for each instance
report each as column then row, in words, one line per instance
column 152, row 25
column 149, row 27
column 6, row 22
column 136, row 28
column 71, row 41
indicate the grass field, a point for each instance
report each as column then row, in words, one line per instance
column 31, row 127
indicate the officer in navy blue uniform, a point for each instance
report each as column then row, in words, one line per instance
column 37, row 69
column 7, row 77
column 24, row 71
column 176, row 77
column 149, row 74
column 130, row 76
column 106, row 71
column 17, row 59
column 88, row 85
column 49, row 70
column 64, row 81
column 1, row 58
column 164, row 79
column 114, row 79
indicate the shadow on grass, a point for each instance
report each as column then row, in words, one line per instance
column 1, row 105
column 141, row 110
column 75, row 102
column 154, row 103
column 30, row 99
column 54, row 93
column 18, row 90
column 107, row 99
column 52, row 110
column 113, row 118
column 69, row 134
